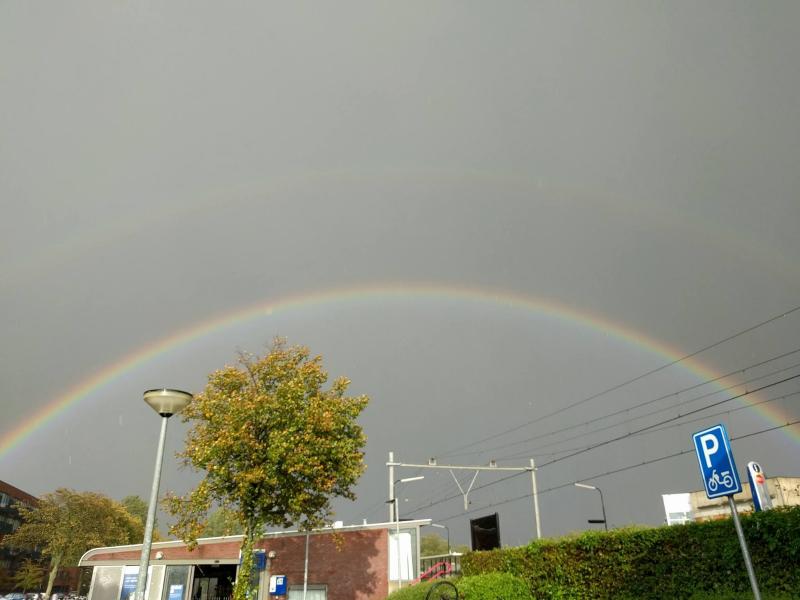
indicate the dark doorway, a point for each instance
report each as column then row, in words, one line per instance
column 213, row 582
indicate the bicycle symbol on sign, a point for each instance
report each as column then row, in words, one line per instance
column 718, row 479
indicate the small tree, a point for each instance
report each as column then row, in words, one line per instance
column 29, row 576
column 222, row 522
column 137, row 507
column 66, row 523
column 274, row 448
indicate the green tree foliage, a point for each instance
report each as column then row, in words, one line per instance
column 29, row 576
column 66, row 523
column 222, row 522
column 274, row 447
column 432, row 544
column 137, row 507
column 700, row 560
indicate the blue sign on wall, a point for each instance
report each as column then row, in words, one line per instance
column 717, row 467
column 277, row 585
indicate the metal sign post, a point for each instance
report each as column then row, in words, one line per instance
column 720, row 478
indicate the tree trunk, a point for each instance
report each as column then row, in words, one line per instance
column 242, row 588
column 55, row 562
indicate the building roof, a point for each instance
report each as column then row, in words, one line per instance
column 87, row 558
column 17, row 493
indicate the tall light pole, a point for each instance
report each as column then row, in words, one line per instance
column 166, row 403
column 393, row 500
column 602, row 503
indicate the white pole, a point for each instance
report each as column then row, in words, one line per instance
column 144, row 560
column 305, row 568
column 397, row 537
column 391, row 486
column 536, row 501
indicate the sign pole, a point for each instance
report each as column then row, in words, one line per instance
column 745, row 553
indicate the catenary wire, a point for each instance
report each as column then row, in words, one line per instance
column 671, row 425
column 642, row 416
column 647, row 402
column 624, row 383
column 612, row 440
column 611, row 472
column 741, row 370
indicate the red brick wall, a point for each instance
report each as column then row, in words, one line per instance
column 355, row 569
column 353, row 564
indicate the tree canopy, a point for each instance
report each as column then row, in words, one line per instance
column 29, row 576
column 273, row 446
column 66, row 523
column 222, row 521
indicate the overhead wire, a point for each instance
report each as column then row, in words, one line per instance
column 616, row 439
column 671, row 425
column 650, row 401
column 624, row 383
column 645, row 415
column 612, row 472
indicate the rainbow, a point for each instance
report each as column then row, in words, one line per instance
column 362, row 293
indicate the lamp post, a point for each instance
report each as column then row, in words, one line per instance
column 602, row 503
column 166, row 403
column 397, row 523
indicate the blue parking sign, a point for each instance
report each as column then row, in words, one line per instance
column 717, row 467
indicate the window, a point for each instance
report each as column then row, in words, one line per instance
column 313, row 592
column 175, row 582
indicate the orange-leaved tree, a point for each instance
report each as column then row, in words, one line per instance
column 273, row 446
column 64, row 524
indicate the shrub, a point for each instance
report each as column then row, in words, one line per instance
column 682, row 561
column 418, row 591
column 493, row 586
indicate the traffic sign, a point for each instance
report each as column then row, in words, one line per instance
column 717, row 467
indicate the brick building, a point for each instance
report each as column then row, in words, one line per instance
column 361, row 562
column 11, row 498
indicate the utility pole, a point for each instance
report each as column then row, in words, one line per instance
column 432, row 464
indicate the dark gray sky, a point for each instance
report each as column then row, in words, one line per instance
column 164, row 164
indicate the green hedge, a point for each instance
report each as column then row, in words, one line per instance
column 489, row 586
column 703, row 560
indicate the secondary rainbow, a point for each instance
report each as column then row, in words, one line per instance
column 366, row 293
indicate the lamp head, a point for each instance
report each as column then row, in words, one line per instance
column 167, row 402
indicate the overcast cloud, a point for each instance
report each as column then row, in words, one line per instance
column 163, row 164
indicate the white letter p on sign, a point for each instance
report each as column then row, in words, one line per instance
column 710, row 446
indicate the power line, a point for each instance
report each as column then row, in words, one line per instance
column 619, row 438
column 642, row 416
column 671, row 425
column 611, row 472
column 626, row 382
column 651, row 401
column 671, row 419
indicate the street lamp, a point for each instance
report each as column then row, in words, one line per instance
column 166, row 403
column 602, row 503
column 448, row 533
column 397, row 523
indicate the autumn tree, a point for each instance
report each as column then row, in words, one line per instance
column 273, row 446
column 222, row 521
column 137, row 507
column 29, row 576
column 66, row 523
